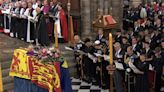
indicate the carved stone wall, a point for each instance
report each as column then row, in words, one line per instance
column 90, row 9
column 135, row 3
column 85, row 18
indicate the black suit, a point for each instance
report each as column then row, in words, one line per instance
column 149, row 53
column 119, row 74
column 155, row 41
column 78, row 58
column 53, row 10
column 137, row 48
column 118, row 39
column 158, row 63
column 89, row 71
column 101, row 39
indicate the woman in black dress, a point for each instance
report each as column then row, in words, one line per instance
column 142, row 84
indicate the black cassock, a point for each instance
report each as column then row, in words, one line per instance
column 142, row 84
column 1, row 20
column 42, row 30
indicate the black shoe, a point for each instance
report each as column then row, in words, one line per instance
column 94, row 82
column 105, row 87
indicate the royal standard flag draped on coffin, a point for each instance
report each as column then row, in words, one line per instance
column 20, row 65
column 46, row 76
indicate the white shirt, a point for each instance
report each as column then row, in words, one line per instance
column 22, row 11
column 27, row 13
column 117, row 53
column 134, row 46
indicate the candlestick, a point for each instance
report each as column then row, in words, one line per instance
column 69, row 33
column 111, row 61
column 56, row 35
column 111, row 49
column 1, row 84
column 71, row 30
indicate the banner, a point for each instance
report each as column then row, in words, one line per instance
column 46, row 76
column 53, row 76
column 20, row 65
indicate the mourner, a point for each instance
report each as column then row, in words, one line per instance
column 119, row 73
column 158, row 63
column 41, row 28
column 79, row 46
column 130, row 56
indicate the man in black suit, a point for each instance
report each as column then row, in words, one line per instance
column 142, row 82
column 158, row 65
column 125, row 43
column 148, row 52
column 119, row 73
column 118, row 37
column 79, row 45
column 130, row 56
column 101, row 36
column 89, row 73
column 135, row 45
column 54, row 9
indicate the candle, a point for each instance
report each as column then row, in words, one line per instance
column 56, row 35
column 1, row 84
column 111, row 49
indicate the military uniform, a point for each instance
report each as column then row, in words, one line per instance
column 129, row 75
column 98, row 68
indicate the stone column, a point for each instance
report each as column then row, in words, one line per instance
column 135, row 3
column 94, row 9
column 106, row 7
column 85, row 19
column 110, row 7
column 101, row 6
column 94, row 14
column 117, row 11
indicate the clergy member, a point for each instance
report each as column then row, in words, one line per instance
column 41, row 29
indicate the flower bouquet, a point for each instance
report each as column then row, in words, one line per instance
column 45, row 54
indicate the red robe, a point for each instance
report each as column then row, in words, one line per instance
column 63, row 22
